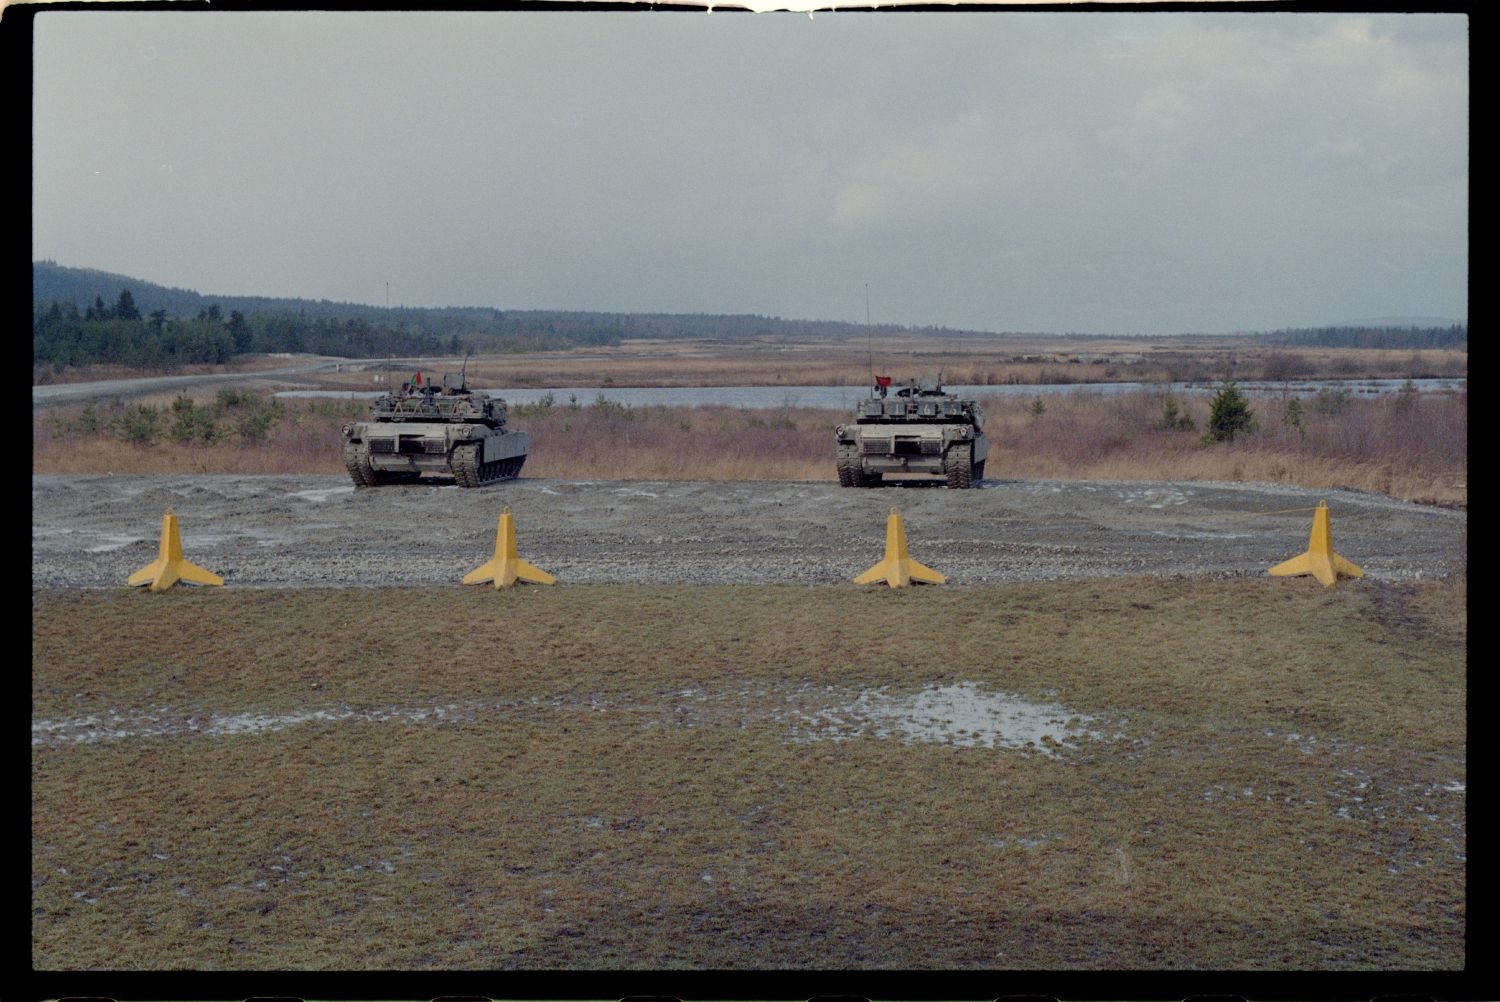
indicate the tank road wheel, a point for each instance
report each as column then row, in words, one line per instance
column 469, row 471
column 501, row 469
column 959, row 467
column 357, row 462
column 485, row 473
column 464, row 462
column 849, row 472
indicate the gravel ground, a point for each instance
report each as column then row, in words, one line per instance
column 317, row 531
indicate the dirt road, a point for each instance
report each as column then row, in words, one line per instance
column 312, row 531
column 72, row 393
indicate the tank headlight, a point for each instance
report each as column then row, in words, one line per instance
column 348, row 430
column 963, row 431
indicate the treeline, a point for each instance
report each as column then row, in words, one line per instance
column 119, row 334
column 85, row 317
column 82, row 286
column 486, row 328
column 713, row 326
column 1453, row 336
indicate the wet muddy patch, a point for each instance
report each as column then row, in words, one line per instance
column 964, row 715
column 321, row 494
column 114, row 725
column 961, row 715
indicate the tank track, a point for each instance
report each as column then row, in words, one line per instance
column 959, row 466
column 849, row 472
column 469, row 472
column 357, row 462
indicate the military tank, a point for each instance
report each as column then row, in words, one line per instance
column 444, row 430
column 919, row 428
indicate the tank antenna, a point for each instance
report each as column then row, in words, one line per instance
column 869, row 346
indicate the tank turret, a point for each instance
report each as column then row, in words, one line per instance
column 918, row 428
column 441, row 430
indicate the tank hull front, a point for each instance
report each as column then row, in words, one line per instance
column 473, row 455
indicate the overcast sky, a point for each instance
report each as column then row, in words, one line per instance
column 1131, row 173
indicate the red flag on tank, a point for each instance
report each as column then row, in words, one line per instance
column 882, row 380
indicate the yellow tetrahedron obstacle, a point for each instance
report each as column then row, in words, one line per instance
column 507, row 567
column 1320, row 561
column 898, row 569
column 169, row 567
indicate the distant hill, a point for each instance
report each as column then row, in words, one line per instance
column 335, row 327
column 1395, row 322
column 81, row 316
column 1372, row 334
column 51, row 282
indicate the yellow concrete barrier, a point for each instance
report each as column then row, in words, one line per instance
column 897, row 568
column 1320, row 561
column 507, row 567
column 169, row 567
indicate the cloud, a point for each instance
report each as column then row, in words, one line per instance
column 967, row 167
column 1098, row 165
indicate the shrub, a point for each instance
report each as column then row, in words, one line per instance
column 1406, row 398
column 1329, row 402
column 1280, row 366
column 336, row 410
column 253, row 415
column 1173, row 417
column 1292, row 416
column 234, row 398
column 613, row 409
column 254, row 421
column 191, row 423
column 1229, row 414
column 139, row 425
column 88, row 420
column 541, row 408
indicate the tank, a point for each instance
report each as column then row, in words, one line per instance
column 440, row 431
column 918, row 428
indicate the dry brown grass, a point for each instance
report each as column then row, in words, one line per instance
column 587, row 809
column 989, row 361
column 1412, row 449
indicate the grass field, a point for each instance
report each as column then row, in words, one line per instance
column 1257, row 774
column 1007, row 360
column 821, row 361
column 1410, row 447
